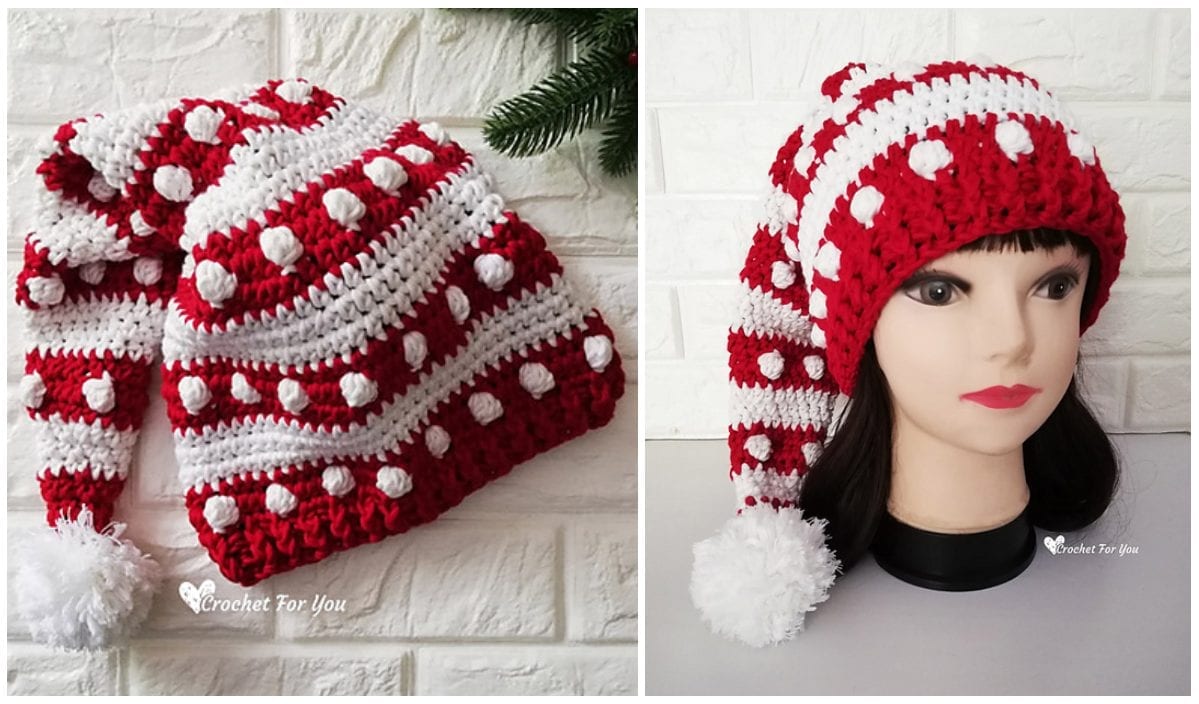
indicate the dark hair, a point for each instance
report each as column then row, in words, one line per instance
column 1069, row 462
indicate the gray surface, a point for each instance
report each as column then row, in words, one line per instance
column 1070, row 624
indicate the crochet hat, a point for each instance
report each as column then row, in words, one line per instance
column 895, row 168
column 355, row 335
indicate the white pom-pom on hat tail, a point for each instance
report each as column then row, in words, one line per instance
column 755, row 580
column 82, row 589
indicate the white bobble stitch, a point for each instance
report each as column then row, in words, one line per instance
column 598, row 350
column 865, row 205
column 758, row 446
column 387, row 174
column 147, row 271
column 782, row 275
column 493, row 270
column 202, row 123
column 818, row 337
column 811, row 452
column 1013, row 139
column 280, row 500
column 100, row 189
column 138, row 224
column 790, row 248
column 484, row 407
column 358, row 389
column 1081, row 148
column 434, row 131
column 415, row 349
column 45, row 290
column 415, row 154
column 214, row 282
column 828, row 261
column 189, row 266
column 93, row 272
column 437, row 441
column 458, row 302
column 337, row 480
column 281, row 246
column 814, row 366
column 771, row 364
column 242, row 391
column 393, row 481
column 194, row 394
column 260, row 111
column 173, row 183
column 818, row 304
column 292, row 395
column 344, row 207
column 297, row 92
column 803, row 159
column 220, row 512
column 100, row 395
column 33, row 390
column 536, row 379
column 929, row 157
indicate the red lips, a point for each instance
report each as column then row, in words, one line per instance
column 1002, row 396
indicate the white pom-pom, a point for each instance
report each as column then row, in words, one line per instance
column 598, row 351
column 292, row 395
column 138, row 224
column 281, row 246
column 194, row 394
column 437, row 441
column 93, row 272
column 33, row 390
column 100, row 189
column 484, row 407
column 929, row 157
column 45, row 290
column 818, row 304
column 147, row 270
column 173, row 183
column 458, row 302
column 818, row 338
column 434, row 131
column 771, row 364
column 758, row 446
column 280, row 500
column 344, row 207
column 260, row 111
column 214, row 282
column 828, row 261
column 1081, row 148
column 415, row 349
column 493, row 270
column 100, row 395
column 536, row 379
column 78, row 588
column 814, row 365
column 294, row 91
column 221, row 512
column 357, row 389
column 755, row 580
column 782, row 275
column 415, row 154
column 337, row 480
column 202, row 123
column 1013, row 139
column 393, row 481
column 242, row 391
column 865, row 205
column 387, row 174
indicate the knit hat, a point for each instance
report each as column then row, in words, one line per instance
column 895, row 168
column 355, row 335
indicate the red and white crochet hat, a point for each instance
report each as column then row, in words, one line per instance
column 895, row 168
column 355, row 335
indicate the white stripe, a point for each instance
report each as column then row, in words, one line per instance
column 275, row 164
column 127, row 327
column 69, row 232
column 75, row 445
column 838, row 110
column 761, row 481
column 785, row 408
column 224, row 451
column 928, row 105
column 765, row 316
column 111, row 143
column 326, row 323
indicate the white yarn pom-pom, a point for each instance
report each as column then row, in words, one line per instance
column 1013, row 139
column 292, row 395
column 173, row 183
column 393, row 481
column 415, row 349
column 279, row 500
column 929, row 157
column 101, row 189
column 344, row 207
column 214, row 282
column 93, row 272
column 485, row 407
column 1081, row 148
column 865, row 205
column 33, row 390
column 46, row 290
column 782, row 275
column 337, row 480
column 536, row 378
column 242, row 391
column 281, row 246
column 386, row 174
column 100, row 395
column 771, row 364
column 828, row 261
column 147, row 270
column 458, row 302
column 221, row 512
column 756, row 579
column 814, row 365
column 294, row 91
column 437, row 441
column 82, row 589
column 598, row 351
column 138, row 224
column 415, row 154
column 434, row 131
column 202, row 124
column 493, row 270
column 357, row 389
column 194, row 394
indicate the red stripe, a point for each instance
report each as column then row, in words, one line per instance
column 68, row 492
column 64, row 374
column 758, row 270
column 786, row 447
column 745, row 349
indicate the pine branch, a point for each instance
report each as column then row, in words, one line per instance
column 618, row 150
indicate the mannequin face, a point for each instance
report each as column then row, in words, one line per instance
column 973, row 320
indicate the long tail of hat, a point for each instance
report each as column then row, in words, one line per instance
column 757, row 578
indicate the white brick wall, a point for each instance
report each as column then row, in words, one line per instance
column 724, row 88
column 530, row 586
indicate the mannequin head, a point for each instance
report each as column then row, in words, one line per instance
column 1001, row 311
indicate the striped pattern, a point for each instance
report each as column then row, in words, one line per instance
column 355, row 333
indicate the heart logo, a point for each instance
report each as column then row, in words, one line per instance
column 193, row 595
column 1054, row 544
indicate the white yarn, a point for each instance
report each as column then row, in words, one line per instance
column 45, row 290
column 337, row 480
column 437, row 441
column 280, row 500
column 202, row 124
column 865, row 205
column 434, row 131
column 811, row 452
column 260, row 110
column 393, row 481
column 358, row 390
column 147, row 271
column 1081, row 148
column 415, row 154
column 818, row 304
column 814, row 365
column 758, row 446
column 99, row 393
column 782, row 275
column 818, row 338
column 494, row 270
column 828, row 261
column 221, row 512
column 803, row 159
column 755, row 580
column 484, row 407
column 281, row 246
column 138, row 224
column 100, row 189
column 344, row 207
column 458, row 302
column 771, row 364
column 387, row 174
column 93, row 272
column 415, row 349
column 82, row 589
column 33, row 390
column 292, row 395
column 242, row 391
column 173, row 183
column 215, row 283
column 294, row 91
column 194, row 394
column 598, row 351
column 536, row 379
column 1013, row 139
column 928, row 157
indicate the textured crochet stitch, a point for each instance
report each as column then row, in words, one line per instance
column 355, row 333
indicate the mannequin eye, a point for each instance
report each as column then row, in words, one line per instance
column 1060, row 286
column 931, row 292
